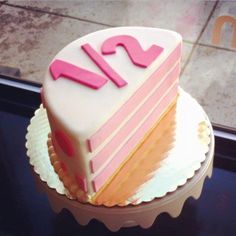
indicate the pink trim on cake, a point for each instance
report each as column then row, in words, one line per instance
column 63, row 166
column 104, row 66
column 97, row 161
column 103, row 133
column 120, row 156
column 81, row 181
column 138, row 56
column 64, row 142
column 69, row 71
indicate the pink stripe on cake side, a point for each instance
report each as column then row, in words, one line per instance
column 135, row 120
column 123, row 153
column 103, row 133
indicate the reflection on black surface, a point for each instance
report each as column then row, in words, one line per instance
column 24, row 211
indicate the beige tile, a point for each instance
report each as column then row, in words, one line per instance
column 186, row 50
column 223, row 8
column 185, row 17
column 210, row 77
column 29, row 40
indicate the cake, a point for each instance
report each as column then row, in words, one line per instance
column 104, row 93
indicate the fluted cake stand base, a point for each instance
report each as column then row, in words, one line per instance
column 143, row 214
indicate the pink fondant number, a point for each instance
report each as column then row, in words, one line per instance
column 61, row 68
column 103, row 65
column 137, row 55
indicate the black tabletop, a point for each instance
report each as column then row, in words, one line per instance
column 24, row 211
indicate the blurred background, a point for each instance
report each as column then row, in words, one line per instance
column 32, row 32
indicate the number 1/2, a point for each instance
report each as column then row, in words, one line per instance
column 138, row 56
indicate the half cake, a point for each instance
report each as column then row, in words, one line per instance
column 104, row 93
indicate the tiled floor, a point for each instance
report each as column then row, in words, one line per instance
column 223, row 8
column 32, row 32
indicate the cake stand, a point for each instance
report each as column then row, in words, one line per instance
column 143, row 214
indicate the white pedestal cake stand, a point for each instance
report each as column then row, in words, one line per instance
column 143, row 214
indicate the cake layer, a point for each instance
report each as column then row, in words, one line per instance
column 137, row 170
column 124, row 152
column 135, row 120
column 112, row 124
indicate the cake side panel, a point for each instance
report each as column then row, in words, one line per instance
column 136, row 120
column 67, row 148
column 106, row 174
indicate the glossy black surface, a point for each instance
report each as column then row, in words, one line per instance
column 24, row 211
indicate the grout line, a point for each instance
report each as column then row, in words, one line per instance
column 2, row 2
column 216, row 47
column 28, row 8
column 210, row 46
column 199, row 36
column 187, row 41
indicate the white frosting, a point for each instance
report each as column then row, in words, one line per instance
column 80, row 110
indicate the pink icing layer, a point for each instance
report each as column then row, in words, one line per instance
column 104, row 66
column 62, row 68
column 64, row 143
column 138, row 56
column 103, row 133
column 81, row 181
column 135, row 120
column 120, row 156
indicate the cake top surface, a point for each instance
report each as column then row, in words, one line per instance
column 84, row 108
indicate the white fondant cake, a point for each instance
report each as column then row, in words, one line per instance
column 103, row 94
